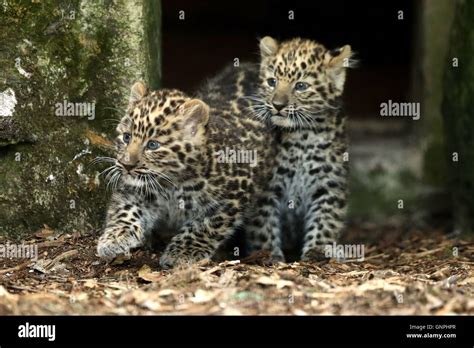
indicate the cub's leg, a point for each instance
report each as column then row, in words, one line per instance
column 199, row 239
column 126, row 226
column 325, row 216
column 263, row 231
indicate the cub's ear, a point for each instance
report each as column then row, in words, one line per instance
column 268, row 46
column 339, row 57
column 196, row 115
column 137, row 92
column 336, row 62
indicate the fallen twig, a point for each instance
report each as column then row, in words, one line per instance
column 16, row 268
column 61, row 257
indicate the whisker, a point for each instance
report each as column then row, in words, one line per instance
column 116, row 180
column 112, row 108
column 111, row 168
column 102, row 160
column 165, row 177
column 110, row 177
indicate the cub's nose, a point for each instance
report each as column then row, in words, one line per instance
column 128, row 166
column 278, row 105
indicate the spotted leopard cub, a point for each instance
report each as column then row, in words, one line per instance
column 296, row 89
column 170, row 176
column 300, row 88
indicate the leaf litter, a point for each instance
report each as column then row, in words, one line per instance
column 416, row 274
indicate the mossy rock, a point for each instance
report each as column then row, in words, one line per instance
column 78, row 52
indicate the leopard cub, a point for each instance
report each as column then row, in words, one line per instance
column 169, row 175
column 296, row 89
column 299, row 92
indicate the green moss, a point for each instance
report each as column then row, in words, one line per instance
column 434, row 163
column 94, row 58
column 374, row 196
column 153, row 42
column 458, row 112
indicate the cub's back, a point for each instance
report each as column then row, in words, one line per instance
column 230, row 84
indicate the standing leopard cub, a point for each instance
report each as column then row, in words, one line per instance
column 169, row 175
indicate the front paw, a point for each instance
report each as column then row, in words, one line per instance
column 277, row 256
column 115, row 243
column 178, row 255
column 315, row 253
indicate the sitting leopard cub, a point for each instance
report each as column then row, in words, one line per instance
column 170, row 175
column 300, row 93
column 297, row 89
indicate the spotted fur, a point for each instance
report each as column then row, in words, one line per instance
column 297, row 89
column 168, row 176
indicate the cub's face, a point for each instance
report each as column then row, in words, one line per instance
column 300, row 80
column 160, row 138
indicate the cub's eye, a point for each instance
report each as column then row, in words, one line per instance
column 272, row 82
column 153, row 145
column 301, row 86
column 126, row 138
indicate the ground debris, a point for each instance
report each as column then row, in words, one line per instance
column 421, row 274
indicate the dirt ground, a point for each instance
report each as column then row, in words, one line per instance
column 408, row 273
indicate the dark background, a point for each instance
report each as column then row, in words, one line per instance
column 215, row 32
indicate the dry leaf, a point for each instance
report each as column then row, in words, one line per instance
column 433, row 301
column 5, row 294
column 145, row 273
column 90, row 283
column 469, row 280
column 378, row 284
column 151, row 305
column 121, row 259
column 45, row 232
column 96, row 139
column 279, row 283
column 202, row 296
column 166, row 292
column 266, row 281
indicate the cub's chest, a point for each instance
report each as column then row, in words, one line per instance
column 181, row 205
column 172, row 210
column 171, row 207
column 301, row 151
column 300, row 154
